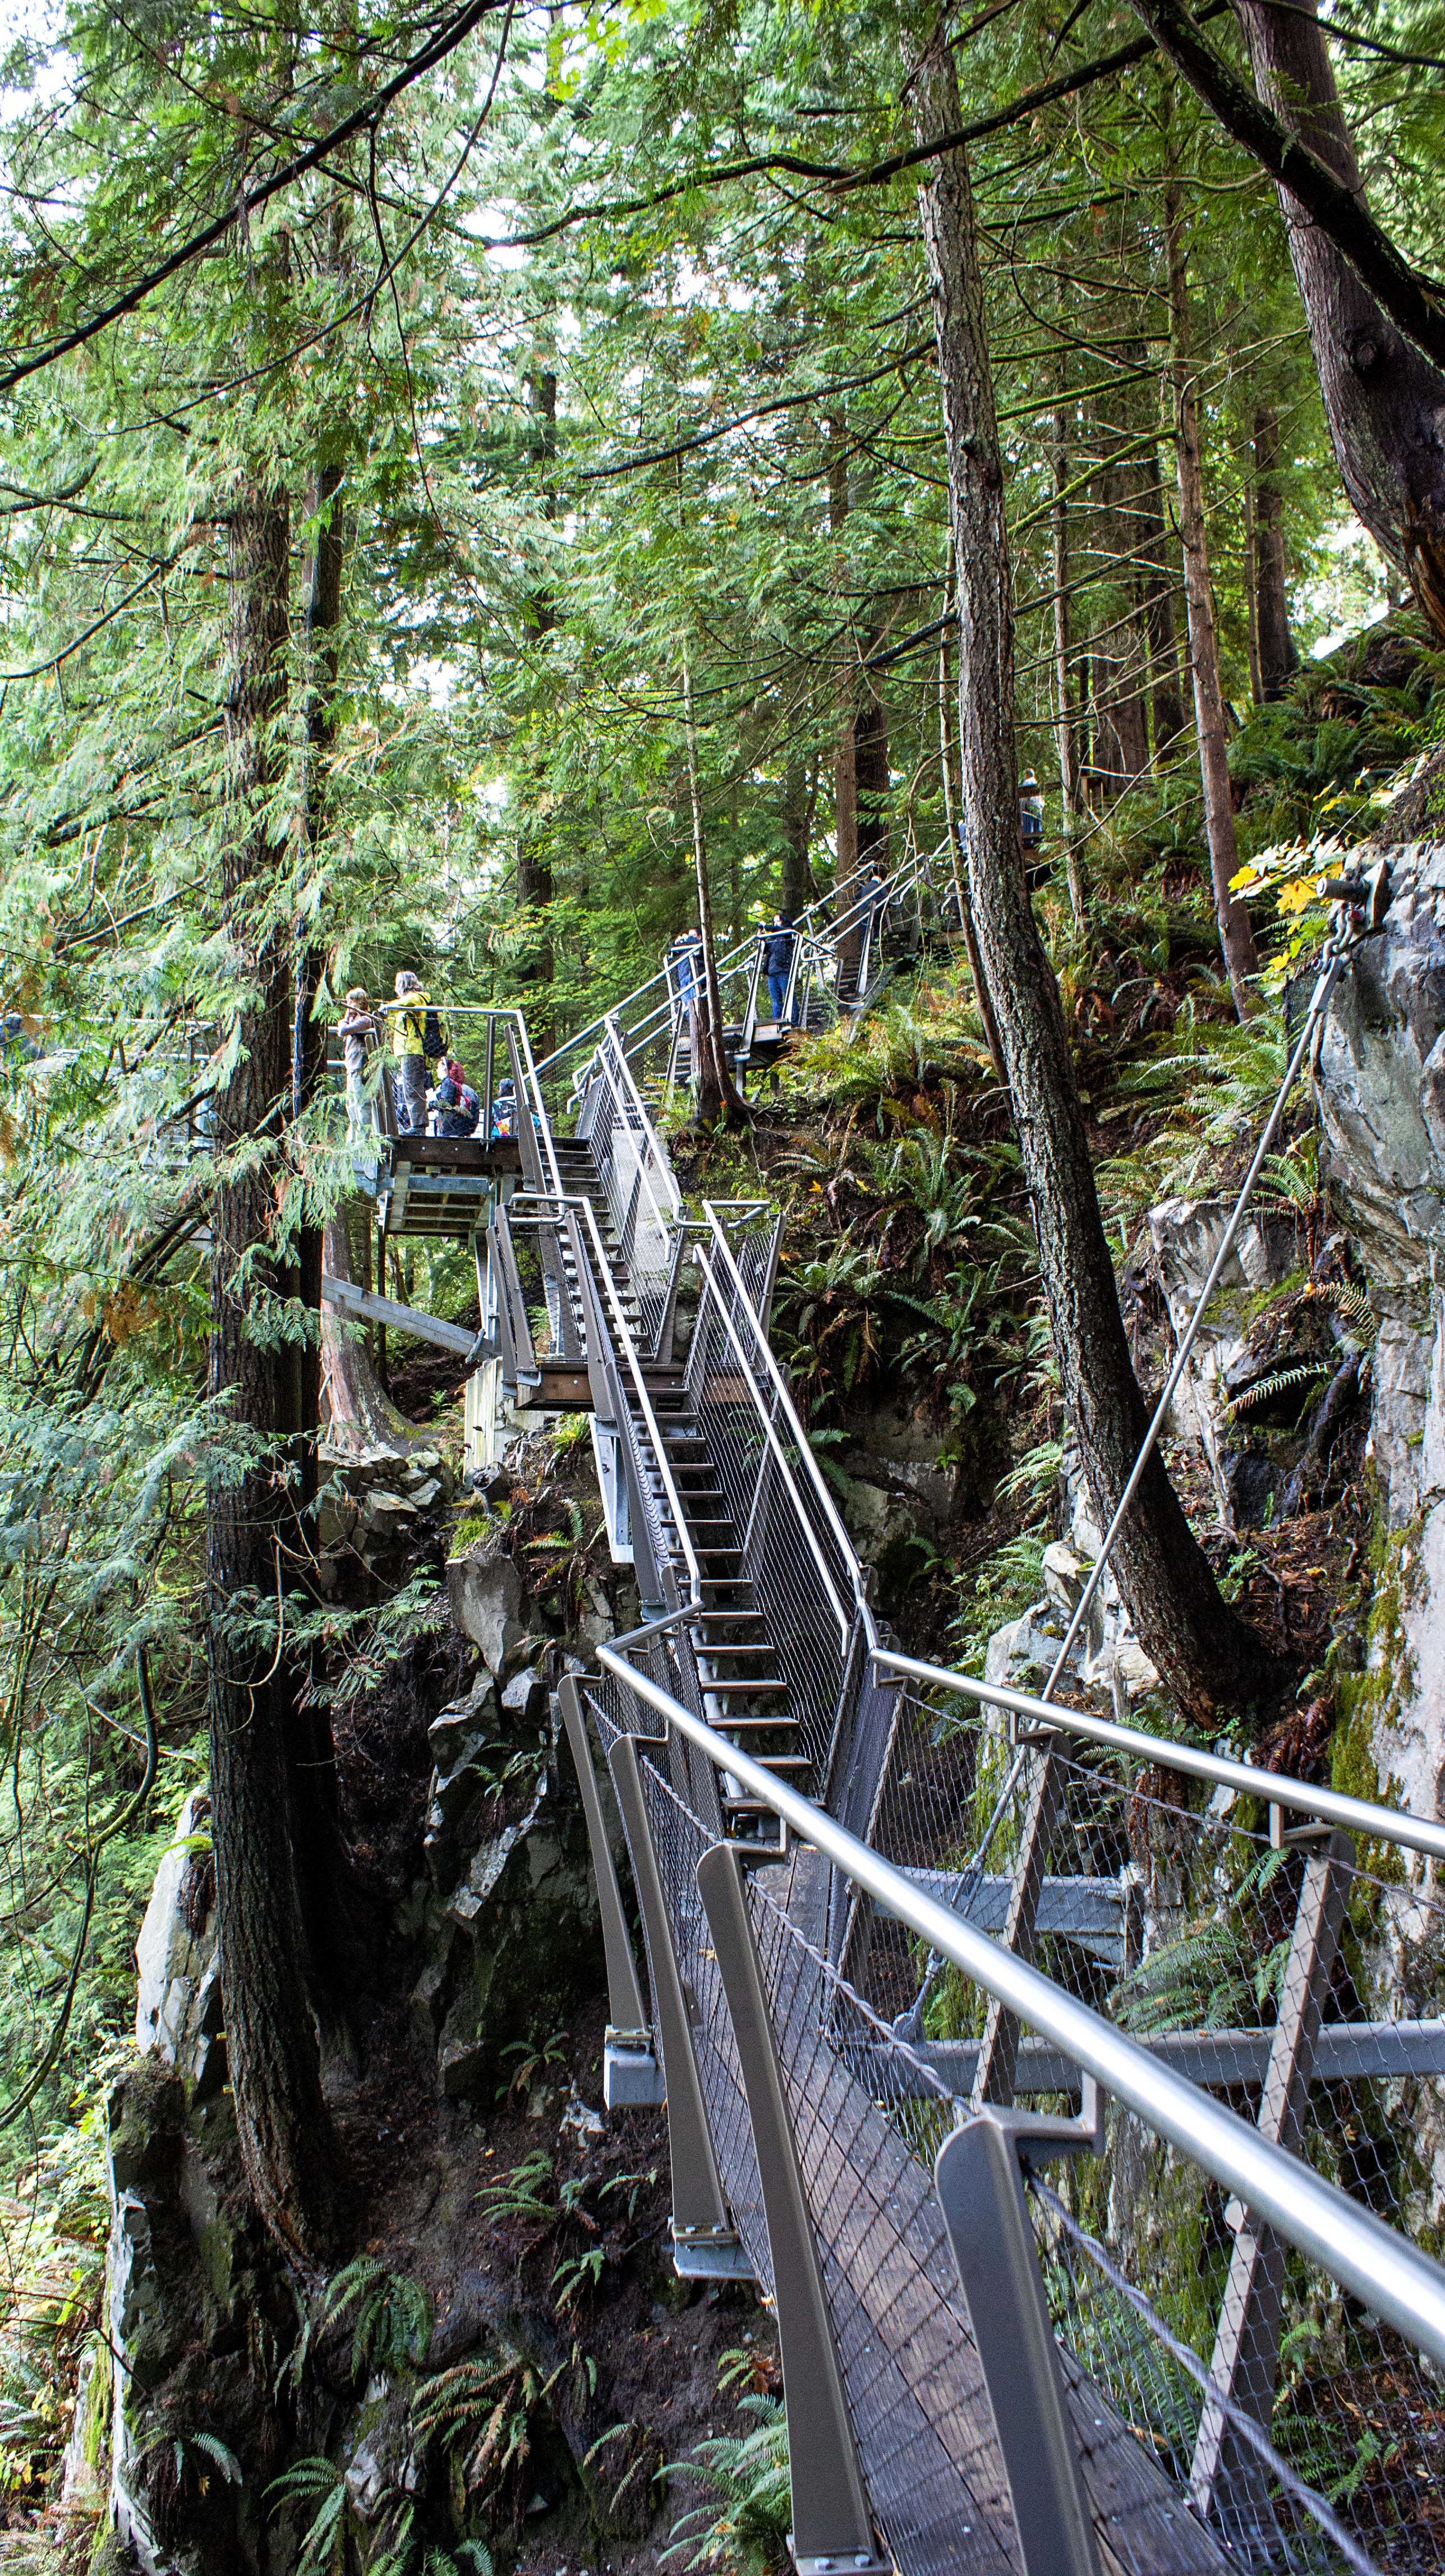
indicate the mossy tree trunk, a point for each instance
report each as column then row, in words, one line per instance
column 1206, row 1656
column 255, row 1533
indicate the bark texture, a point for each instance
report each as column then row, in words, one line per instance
column 1278, row 659
column 1203, row 1651
column 1160, row 577
column 536, row 882
column 1241, row 958
column 252, row 1526
column 1384, row 400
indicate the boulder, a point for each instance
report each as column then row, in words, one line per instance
column 484, row 1591
column 178, row 1996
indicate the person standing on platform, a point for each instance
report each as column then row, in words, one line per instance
column 416, row 1024
column 780, row 943
column 358, row 1024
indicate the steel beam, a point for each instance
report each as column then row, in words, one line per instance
column 994, row 2078
column 705, row 2242
column 832, row 2526
column 631, row 2075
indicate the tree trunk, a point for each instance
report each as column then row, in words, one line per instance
column 536, row 884
column 1203, row 1652
column 845, row 760
column 1241, row 958
column 308, row 1035
column 1278, row 660
column 960, row 883
column 799, row 797
column 359, row 1414
column 282, row 2121
column 718, row 1096
column 870, row 777
column 1070, row 784
column 1384, row 400
column 1159, row 578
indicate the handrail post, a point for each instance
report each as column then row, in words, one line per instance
column 705, row 2244
column 980, row 2192
column 1225, row 2475
column 998, row 2050
column 832, row 2525
column 630, row 2073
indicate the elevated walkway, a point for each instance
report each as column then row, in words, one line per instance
column 895, row 1922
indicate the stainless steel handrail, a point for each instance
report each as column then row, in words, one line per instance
column 1389, row 2275
column 621, row 1071
column 1355, row 1815
column 781, row 1388
column 626, row 1348
column 903, row 880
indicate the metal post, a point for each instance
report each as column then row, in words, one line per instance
column 630, row 2072
column 832, row 2526
column 981, row 2194
column 1225, row 2474
column 998, row 2051
column 487, row 1079
column 704, row 2241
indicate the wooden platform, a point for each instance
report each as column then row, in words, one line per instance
column 438, row 1185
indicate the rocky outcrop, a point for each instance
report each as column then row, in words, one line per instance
column 1381, row 1079
column 1380, row 1086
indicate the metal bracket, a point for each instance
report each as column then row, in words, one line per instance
column 1283, row 1837
column 706, row 2245
column 832, row 2526
column 981, row 2194
column 1041, row 2137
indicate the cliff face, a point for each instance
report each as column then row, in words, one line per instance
column 1380, row 1086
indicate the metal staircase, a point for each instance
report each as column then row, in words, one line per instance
column 892, row 1920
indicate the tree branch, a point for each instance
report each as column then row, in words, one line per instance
column 451, row 35
column 1414, row 303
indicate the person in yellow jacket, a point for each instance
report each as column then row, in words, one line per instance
column 408, row 1046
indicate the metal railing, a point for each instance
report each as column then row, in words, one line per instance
column 1170, row 2459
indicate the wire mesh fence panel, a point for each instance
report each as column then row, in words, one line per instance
column 868, row 2116
column 1169, row 1909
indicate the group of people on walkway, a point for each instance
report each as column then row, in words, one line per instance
column 430, row 1089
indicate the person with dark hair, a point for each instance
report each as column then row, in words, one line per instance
column 779, row 944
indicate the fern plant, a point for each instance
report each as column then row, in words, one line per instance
column 741, row 2527
column 393, row 2316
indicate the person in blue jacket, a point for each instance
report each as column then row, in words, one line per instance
column 778, row 946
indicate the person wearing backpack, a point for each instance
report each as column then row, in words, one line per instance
column 418, row 1039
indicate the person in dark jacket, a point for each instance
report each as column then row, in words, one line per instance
column 778, row 946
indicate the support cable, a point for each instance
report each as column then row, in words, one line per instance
column 1350, row 927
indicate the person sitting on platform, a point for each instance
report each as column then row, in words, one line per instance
column 415, row 1023
column 358, row 1024
column 778, row 946
column 452, row 1117
column 471, row 1100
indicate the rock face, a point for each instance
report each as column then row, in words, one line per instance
column 1381, row 1078
column 178, row 1994
column 511, row 1933
column 1381, row 1091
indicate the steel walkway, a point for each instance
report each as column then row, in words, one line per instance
column 880, row 1901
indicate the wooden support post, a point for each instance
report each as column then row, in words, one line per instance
column 1226, row 2476
column 998, row 2051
